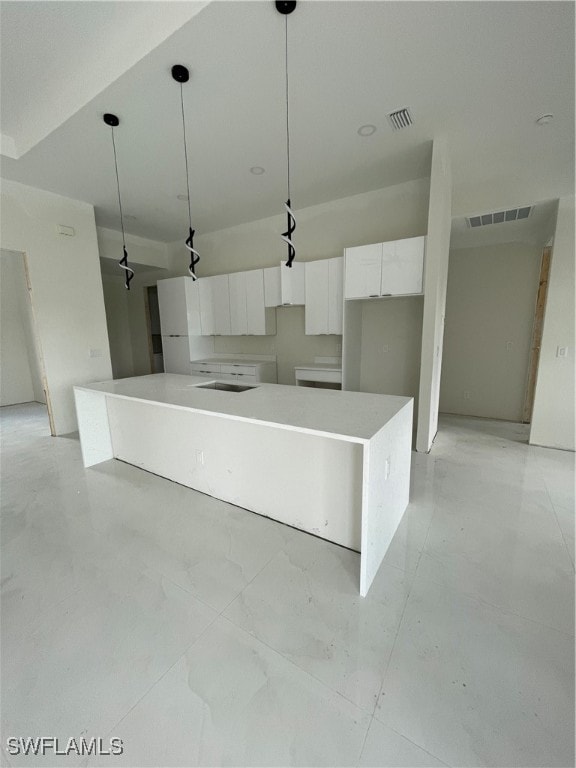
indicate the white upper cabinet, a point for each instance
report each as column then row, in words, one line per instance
column 179, row 307
column 234, row 305
column 238, row 304
column 272, row 293
column 335, row 295
column 385, row 269
column 323, row 291
column 363, row 271
column 292, row 283
column 214, row 305
column 260, row 320
column 402, row 266
column 248, row 313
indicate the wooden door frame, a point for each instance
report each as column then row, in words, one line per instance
column 537, row 329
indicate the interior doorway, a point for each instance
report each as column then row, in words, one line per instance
column 22, row 373
column 537, row 335
column 154, row 331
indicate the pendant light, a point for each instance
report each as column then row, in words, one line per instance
column 181, row 75
column 285, row 7
column 114, row 122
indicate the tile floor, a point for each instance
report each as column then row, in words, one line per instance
column 201, row 634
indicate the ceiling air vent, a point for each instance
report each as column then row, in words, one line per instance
column 399, row 119
column 513, row 214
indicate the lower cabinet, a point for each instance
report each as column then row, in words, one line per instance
column 247, row 372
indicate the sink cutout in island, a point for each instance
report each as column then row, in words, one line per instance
column 224, row 386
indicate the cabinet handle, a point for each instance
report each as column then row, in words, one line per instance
column 386, row 294
column 374, row 296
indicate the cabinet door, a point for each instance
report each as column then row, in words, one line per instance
column 238, row 308
column 172, row 305
column 192, row 306
column 402, row 266
column 316, row 293
column 335, row 298
column 206, row 306
column 363, row 270
column 255, row 308
column 272, row 293
column 221, row 304
column 292, row 283
column 176, row 354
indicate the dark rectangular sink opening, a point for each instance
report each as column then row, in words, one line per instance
column 225, row 387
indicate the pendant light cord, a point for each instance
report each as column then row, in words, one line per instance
column 287, row 236
column 194, row 255
column 124, row 260
column 287, row 112
column 186, row 156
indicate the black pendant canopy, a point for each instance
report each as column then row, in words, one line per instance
column 181, row 75
column 113, row 121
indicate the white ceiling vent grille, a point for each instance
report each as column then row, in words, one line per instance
column 512, row 214
column 399, row 119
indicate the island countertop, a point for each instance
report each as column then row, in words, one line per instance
column 353, row 416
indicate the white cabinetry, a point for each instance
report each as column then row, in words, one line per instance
column 272, row 293
column 384, row 269
column 323, row 291
column 292, row 284
column 248, row 314
column 214, row 305
column 179, row 306
column 249, row 372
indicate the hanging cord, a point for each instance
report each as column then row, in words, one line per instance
column 194, row 255
column 123, row 263
column 287, row 236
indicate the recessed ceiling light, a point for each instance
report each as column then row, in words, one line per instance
column 544, row 119
column 257, row 170
column 184, row 198
column 366, row 130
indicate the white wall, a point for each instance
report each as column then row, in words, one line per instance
column 20, row 378
column 490, row 308
column 323, row 231
column 117, row 322
column 66, row 290
column 391, row 342
column 435, row 280
column 553, row 414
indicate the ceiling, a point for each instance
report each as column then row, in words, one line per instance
column 478, row 72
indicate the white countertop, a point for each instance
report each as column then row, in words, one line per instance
column 231, row 360
column 353, row 416
column 318, row 367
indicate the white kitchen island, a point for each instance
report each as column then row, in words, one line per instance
column 334, row 464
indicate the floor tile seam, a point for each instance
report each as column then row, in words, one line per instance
column 156, row 571
column 162, row 676
column 415, row 743
column 276, row 652
column 394, row 642
column 46, row 609
column 364, row 740
column 504, row 611
column 248, row 583
column 559, row 526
